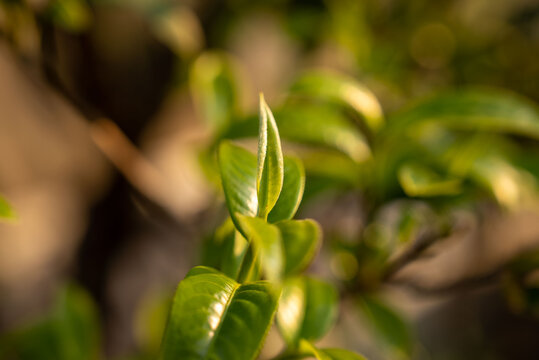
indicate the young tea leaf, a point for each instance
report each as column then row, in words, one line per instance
column 238, row 176
column 308, row 349
column 301, row 239
column 267, row 239
column 214, row 317
column 270, row 173
column 292, row 192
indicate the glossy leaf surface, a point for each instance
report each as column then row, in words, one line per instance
column 214, row 317
column 292, row 192
column 270, row 172
column 238, row 176
column 267, row 239
column 307, row 310
column 301, row 239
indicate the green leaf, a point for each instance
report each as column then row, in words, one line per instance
column 6, row 211
column 491, row 110
column 323, row 125
column 267, row 239
column 301, row 239
column 215, row 91
column 292, row 192
column 418, row 180
column 69, row 331
column 343, row 90
column 270, row 173
column 307, row 349
column 307, row 310
column 341, row 354
column 238, row 176
column 214, row 317
column 388, row 324
column 225, row 249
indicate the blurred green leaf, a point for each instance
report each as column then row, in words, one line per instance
column 70, row 331
column 342, row 90
column 6, row 211
column 212, row 314
column 71, row 15
column 213, row 82
column 267, row 239
column 301, row 239
column 489, row 110
column 308, row 350
column 178, row 28
column 307, row 309
column 270, row 173
column 292, row 192
column 391, row 328
column 322, row 125
column 238, row 175
column 418, row 180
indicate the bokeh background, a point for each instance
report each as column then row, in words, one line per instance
column 105, row 111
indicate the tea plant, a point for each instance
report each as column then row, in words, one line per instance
column 225, row 311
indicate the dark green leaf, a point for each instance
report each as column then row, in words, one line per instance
column 388, row 324
column 214, row 317
column 267, row 239
column 270, row 173
column 341, row 89
column 301, row 239
column 307, row 310
column 292, row 192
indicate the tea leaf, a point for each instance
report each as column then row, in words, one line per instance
column 270, row 173
column 212, row 314
column 301, row 239
column 292, row 192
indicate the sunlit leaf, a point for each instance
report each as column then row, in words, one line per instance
column 6, row 211
column 301, row 239
column 341, row 89
column 419, row 180
column 214, row 317
column 267, row 238
column 270, row 173
column 238, row 176
column 307, row 310
column 390, row 327
column 292, row 192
